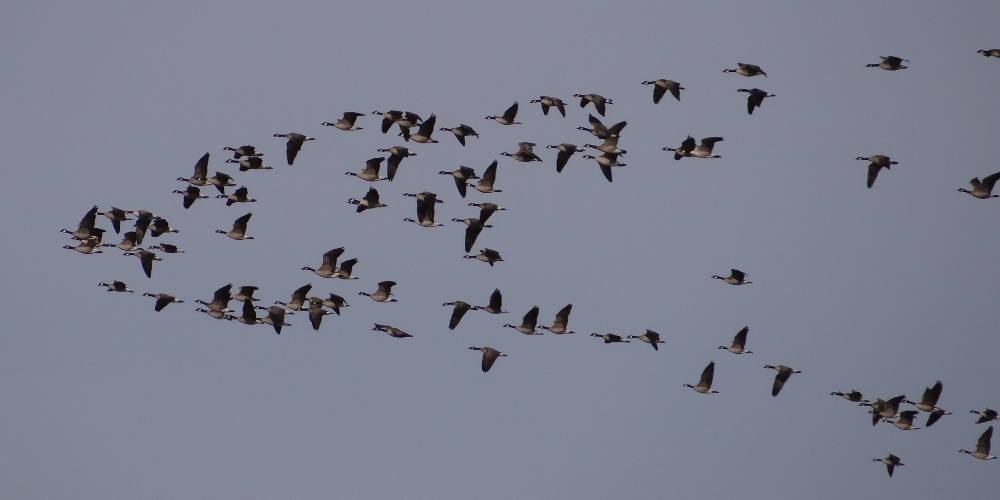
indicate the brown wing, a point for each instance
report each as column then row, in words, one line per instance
column 873, row 169
column 983, row 444
column 456, row 314
column 562, row 317
column 201, row 167
column 511, row 112
column 707, row 375
column 658, row 93
column 531, row 318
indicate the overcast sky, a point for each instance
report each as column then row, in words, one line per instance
column 884, row 290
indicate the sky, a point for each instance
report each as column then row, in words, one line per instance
column 884, row 290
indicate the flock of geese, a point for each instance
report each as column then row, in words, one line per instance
column 414, row 129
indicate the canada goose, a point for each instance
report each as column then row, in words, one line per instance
column 85, row 229
column 328, row 268
column 221, row 181
column 249, row 315
column 605, row 162
column 746, row 70
column 245, row 294
column 986, row 415
column 486, row 255
column 851, row 395
column 370, row 172
column 242, row 151
column 650, row 337
column 160, row 226
column 461, row 132
column 200, row 176
column 558, row 326
column 383, row 293
column 424, row 133
column 96, row 237
column 220, row 299
column 884, row 408
column 370, row 200
column 610, row 338
column 404, row 119
column 216, row 314
column 688, row 149
column 462, row 174
column 250, row 163
column 610, row 145
column 143, row 219
column 396, row 155
column 335, row 302
column 508, row 116
column 316, row 313
column 600, row 130
column 127, row 244
column 275, row 317
column 485, row 184
column 661, row 86
column 293, row 145
column 167, row 248
column 566, row 150
column 496, row 303
column 345, row 270
column 525, row 153
column 298, row 298
column 528, row 323
column 928, row 403
column 490, row 356
column 989, row 52
column 876, row 163
column 241, row 195
column 904, row 420
column 239, row 230
column 891, row 462
column 116, row 216
column 891, row 63
column 346, row 122
column 487, row 209
column 704, row 385
column 85, row 247
column 597, row 100
column 459, row 309
column 736, row 277
column 784, row 373
column 146, row 259
column 755, row 98
column 549, row 101
column 116, row 286
column 739, row 342
column 980, row 189
column 391, row 330
column 474, row 226
column 982, row 446
column 425, row 209
column 162, row 300
column 190, row 195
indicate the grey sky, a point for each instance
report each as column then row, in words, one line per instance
column 885, row 290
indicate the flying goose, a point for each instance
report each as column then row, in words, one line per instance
column 391, row 331
column 487, row 209
column 485, row 184
column 876, row 163
column 597, row 100
column 704, row 385
column 249, row 315
column 610, row 145
column 239, row 230
column 851, row 395
column 245, row 294
column 200, row 176
column 928, row 403
column 127, row 244
column 162, row 300
column 143, row 218
column 986, row 415
column 566, row 150
column 486, row 255
column 242, row 151
column 746, row 70
column 298, row 298
column 220, row 299
column 462, row 175
column 383, row 293
column 739, row 342
column 345, row 270
column 328, row 268
column 496, row 303
column 558, row 326
column 736, row 277
column 250, row 163
column 525, row 152
column 346, row 122
column 549, row 101
column 508, row 116
column 490, row 356
column 904, row 420
column 605, row 162
column 980, row 189
column 650, row 337
column 528, row 323
column 884, row 408
column 474, row 226
column 293, row 145
column 190, row 195
column 335, row 302
column 85, row 229
column 241, row 195
column 396, row 155
column 370, row 200
column 424, row 133
column 891, row 462
column 610, row 338
column 221, row 181
column 459, row 309
column 989, row 52
column 425, row 209
column 116, row 216
column 167, row 248
column 160, row 226
column 461, row 132
column 784, row 373
column 116, row 286
column 891, row 63
column 86, row 247
column 146, row 259
column 370, row 172
column 600, row 130
column 404, row 119
column 661, row 86
column 316, row 313
column 755, row 98
column 688, row 149
column 982, row 446
column 275, row 317
column 216, row 314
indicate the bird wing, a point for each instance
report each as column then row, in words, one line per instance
column 489, row 357
column 511, row 112
column 201, row 167
column 371, row 197
column 606, row 170
column 300, row 293
column 471, row 233
column 932, row 394
column 456, row 314
column 707, row 375
column 658, row 93
column 562, row 317
column 531, row 318
column 462, row 186
column 599, row 129
column 490, row 175
column 779, row 381
column 146, row 259
column 990, row 180
column 741, row 337
column 737, row 274
column 873, row 169
column 983, row 444
column 292, row 148
column 496, row 300
column 240, row 225
column 330, row 259
column 427, row 127
column 485, row 211
column 561, row 158
column 162, row 301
